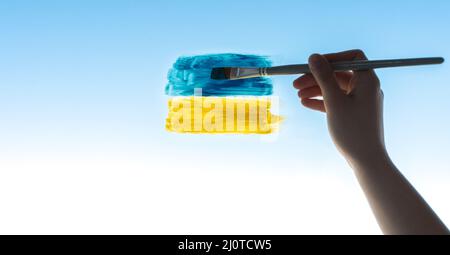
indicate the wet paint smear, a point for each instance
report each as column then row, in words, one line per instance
column 192, row 72
column 222, row 115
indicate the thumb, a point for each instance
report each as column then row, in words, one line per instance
column 324, row 75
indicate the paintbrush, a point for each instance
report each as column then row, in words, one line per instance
column 235, row 73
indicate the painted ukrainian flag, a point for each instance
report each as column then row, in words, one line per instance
column 199, row 104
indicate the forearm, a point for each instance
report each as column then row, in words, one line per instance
column 398, row 207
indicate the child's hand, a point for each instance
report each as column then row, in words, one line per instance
column 352, row 101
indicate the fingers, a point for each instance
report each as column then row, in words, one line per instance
column 323, row 81
column 325, row 77
column 310, row 92
column 314, row 104
column 366, row 81
column 309, row 88
column 307, row 80
column 346, row 56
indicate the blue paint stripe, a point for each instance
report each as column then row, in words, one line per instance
column 193, row 72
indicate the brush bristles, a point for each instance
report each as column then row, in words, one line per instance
column 221, row 73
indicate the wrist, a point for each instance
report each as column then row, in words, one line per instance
column 369, row 158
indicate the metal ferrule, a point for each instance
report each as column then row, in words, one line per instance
column 249, row 73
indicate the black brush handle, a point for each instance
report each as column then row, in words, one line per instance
column 356, row 65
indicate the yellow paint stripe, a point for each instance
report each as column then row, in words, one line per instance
column 221, row 115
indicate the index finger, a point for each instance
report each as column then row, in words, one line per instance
column 346, row 56
column 350, row 55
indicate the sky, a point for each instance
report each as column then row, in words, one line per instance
column 83, row 148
